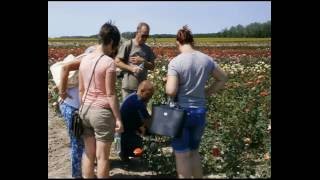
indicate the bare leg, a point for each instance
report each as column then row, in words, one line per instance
column 89, row 157
column 196, row 164
column 103, row 152
column 183, row 164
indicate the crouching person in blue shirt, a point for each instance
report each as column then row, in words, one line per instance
column 135, row 119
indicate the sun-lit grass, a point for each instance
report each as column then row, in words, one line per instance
column 72, row 39
column 213, row 40
column 172, row 40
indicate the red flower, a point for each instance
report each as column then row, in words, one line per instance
column 264, row 93
column 216, row 152
column 138, row 152
column 249, row 83
column 258, row 81
column 216, row 125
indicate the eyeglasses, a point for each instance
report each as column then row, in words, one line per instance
column 145, row 35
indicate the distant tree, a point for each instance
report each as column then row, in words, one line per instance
column 128, row 35
column 240, row 31
column 94, row 36
column 259, row 30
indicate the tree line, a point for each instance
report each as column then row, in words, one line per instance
column 253, row 30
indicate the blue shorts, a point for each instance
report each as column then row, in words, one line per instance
column 192, row 130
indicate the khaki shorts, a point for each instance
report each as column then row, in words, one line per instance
column 98, row 122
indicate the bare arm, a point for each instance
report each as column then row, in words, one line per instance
column 221, row 78
column 113, row 99
column 138, row 60
column 70, row 66
column 172, row 86
column 81, row 87
column 120, row 64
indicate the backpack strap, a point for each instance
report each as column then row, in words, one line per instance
column 128, row 52
column 126, row 59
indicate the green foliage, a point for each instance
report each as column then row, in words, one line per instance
column 258, row 30
column 237, row 122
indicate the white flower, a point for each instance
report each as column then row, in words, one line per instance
column 150, row 76
column 269, row 127
column 163, row 68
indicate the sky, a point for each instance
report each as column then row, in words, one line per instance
column 84, row 18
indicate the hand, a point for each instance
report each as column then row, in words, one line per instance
column 143, row 130
column 136, row 60
column 135, row 69
column 164, row 79
column 169, row 59
column 119, row 126
column 210, row 93
column 64, row 95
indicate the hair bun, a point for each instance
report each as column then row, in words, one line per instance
column 185, row 28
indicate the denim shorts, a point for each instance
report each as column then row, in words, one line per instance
column 192, row 130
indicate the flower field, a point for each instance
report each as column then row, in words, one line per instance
column 237, row 138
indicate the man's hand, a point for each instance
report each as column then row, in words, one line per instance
column 142, row 131
column 135, row 69
column 136, row 60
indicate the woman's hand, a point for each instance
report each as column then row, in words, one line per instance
column 119, row 126
column 64, row 95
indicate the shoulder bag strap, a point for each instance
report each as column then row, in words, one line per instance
column 89, row 83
